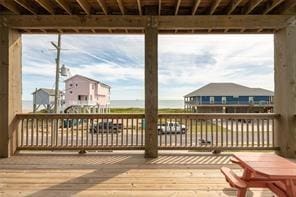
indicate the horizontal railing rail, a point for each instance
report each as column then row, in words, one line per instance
column 229, row 103
column 186, row 131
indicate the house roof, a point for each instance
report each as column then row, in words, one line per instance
column 87, row 78
column 229, row 89
column 50, row 92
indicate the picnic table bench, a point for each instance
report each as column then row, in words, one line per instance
column 263, row 171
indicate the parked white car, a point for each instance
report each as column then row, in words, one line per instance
column 171, row 127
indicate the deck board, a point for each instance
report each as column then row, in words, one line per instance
column 117, row 174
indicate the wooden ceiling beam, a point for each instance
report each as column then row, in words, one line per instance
column 139, row 22
column 46, row 5
column 252, row 5
column 10, row 5
column 26, row 5
column 177, row 7
column 159, row 7
column 272, row 5
column 121, row 7
column 139, row 7
column 195, row 7
column 232, row 6
column 287, row 5
column 103, row 6
column 65, row 5
column 84, row 5
column 214, row 6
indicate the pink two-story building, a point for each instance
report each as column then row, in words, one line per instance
column 81, row 90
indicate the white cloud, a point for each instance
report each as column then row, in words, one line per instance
column 186, row 62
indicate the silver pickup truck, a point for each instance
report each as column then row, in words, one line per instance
column 171, row 127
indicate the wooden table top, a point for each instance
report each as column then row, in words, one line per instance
column 269, row 165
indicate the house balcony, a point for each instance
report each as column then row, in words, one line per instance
column 119, row 167
column 230, row 103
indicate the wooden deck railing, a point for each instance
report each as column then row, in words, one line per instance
column 127, row 131
column 217, row 131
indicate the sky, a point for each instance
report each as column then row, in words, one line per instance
column 186, row 62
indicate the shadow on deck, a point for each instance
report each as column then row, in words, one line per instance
column 117, row 174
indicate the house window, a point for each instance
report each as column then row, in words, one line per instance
column 71, row 84
column 224, row 99
column 79, row 98
column 212, row 99
column 251, row 99
column 76, row 84
column 90, row 97
column 93, row 86
column 71, row 92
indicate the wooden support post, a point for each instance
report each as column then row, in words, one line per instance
column 151, row 88
column 285, row 90
column 10, row 88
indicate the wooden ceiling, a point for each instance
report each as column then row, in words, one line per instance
column 142, row 7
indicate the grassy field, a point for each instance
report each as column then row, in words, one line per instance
column 141, row 110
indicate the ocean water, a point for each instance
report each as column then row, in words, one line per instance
column 176, row 104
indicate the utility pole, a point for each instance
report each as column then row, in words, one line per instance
column 57, row 91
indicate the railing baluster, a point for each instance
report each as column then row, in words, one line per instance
column 267, row 132
column 37, row 132
column 263, row 140
column 112, row 131
column 22, row 133
column 226, row 131
column 72, row 131
column 181, row 140
column 47, row 131
column 126, row 131
column 196, row 131
column 217, row 131
column 237, row 133
column 107, row 133
column 176, row 133
column 122, row 131
column 86, row 132
column 258, row 133
column 62, row 132
column 222, row 132
column 242, row 132
column 102, row 129
column 247, row 133
column 231, row 129
column 206, row 132
column 273, row 141
column 92, row 133
column 212, row 132
column 253, row 133
column 77, row 132
column 117, row 131
column 175, row 130
column 42, row 132
column 82, row 128
column 97, row 133
column 142, row 131
column 67, row 131
column 186, row 125
column 165, row 128
column 201, row 131
column 27, row 131
column 132, row 137
column 190, row 132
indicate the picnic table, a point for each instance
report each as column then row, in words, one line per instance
column 263, row 171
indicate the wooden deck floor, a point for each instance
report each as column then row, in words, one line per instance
column 116, row 174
